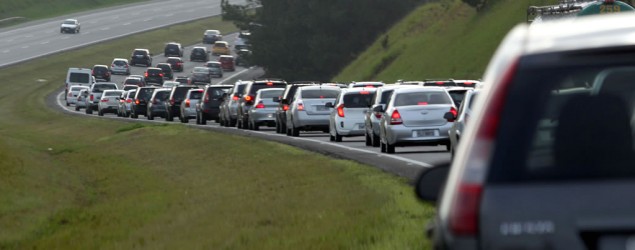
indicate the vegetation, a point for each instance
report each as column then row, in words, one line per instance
column 69, row 182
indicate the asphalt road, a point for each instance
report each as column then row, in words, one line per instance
column 20, row 44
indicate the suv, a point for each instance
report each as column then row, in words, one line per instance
column 141, row 56
column 283, row 104
column 209, row 107
column 173, row 105
column 380, row 98
column 101, row 73
column 229, row 107
column 248, row 97
column 199, row 54
column 211, row 36
column 70, row 25
column 176, row 63
column 140, row 103
column 227, row 63
column 188, row 107
column 154, row 75
column 546, row 161
column 94, row 94
column 168, row 73
column 78, row 76
column 173, row 49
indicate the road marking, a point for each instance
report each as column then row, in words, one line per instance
column 148, row 20
column 25, row 47
column 28, row 36
column 105, row 28
column 126, row 24
column 6, row 51
column 169, row 14
column 45, row 42
column 231, row 77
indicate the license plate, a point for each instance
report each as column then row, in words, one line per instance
column 321, row 108
column 270, row 115
column 425, row 133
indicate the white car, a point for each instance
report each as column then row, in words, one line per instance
column 70, row 25
column 120, row 66
column 348, row 116
column 73, row 92
column 188, row 106
column 109, row 102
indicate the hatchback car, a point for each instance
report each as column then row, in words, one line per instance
column 173, row 49
column 209, row 107
column 156, row 103
column 201, row 75
column 125, row 103
column 249, row 96
column 135, row 80
column 243, row 58
column 109, row 102
column 154, row 76
column 73, row 93
column 70, row 25
column 549, row 163
column 464, row 114
column 140, row 104
column 215, row 68
column 176, row 63
column 229, row 107
column 94, row 95
column 227, row 63
column 173, row 105
column 211, row 36
column 188, row 106
column 141, row 56
column 371, row 121
column 81, row 99
column 348, row 113
column 263, row 113
column 284, row 101
column 101, row 73
column 221, row 48
column 309, row 111
column 199, row 54
column 120, row 66
column 167, row 70
column 415, row 116
column 183, row 80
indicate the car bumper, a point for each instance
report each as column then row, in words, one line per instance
column 400, row 135
column 259, row 116
column 302, row 119
column 189, row 112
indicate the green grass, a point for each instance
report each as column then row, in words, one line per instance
column 70, row 182
column 445, row 39
column 39, row 9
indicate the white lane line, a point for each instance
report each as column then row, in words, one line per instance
column 105, row 28
column 28, row 36
column 148, row 19
column 25, row 46
column 64, row 38
column 126, row 24
column 231, row 77
column 45, row 42
column 6, row 51
column 169, row 15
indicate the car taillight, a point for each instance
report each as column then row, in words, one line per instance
column 454, row 112
column 146, row 74
column 300, row 106
column 260, row 105
column 172, row 101
column 161, row 74
column 395, row 118
column 92, row 97
column 340, row 110
column 285, row 107
column 136, row 101
column 235, row 98
column 467, row 193
column 187, row 103
column 104, row 100
column 206, row 100
column 440, row 83
column 129, row 100
column 249, row 98
column 378, row 115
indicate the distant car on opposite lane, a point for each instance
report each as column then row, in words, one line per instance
column 70, row 25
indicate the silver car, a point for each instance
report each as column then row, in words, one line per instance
column 109, row 102
column 372, row 118
column 94, row 95
column 81, row 99
column 215, row 68
column 229, row 107
column 366, row 84
column 263, row 112
column 460, row 119
column 73, row 92
column 156, row 103
column 120, row 66
column 309, row 110
column 188, row 106
column 348, row 117
column 170, row 84
column 415, row 116
column 201, row 75
column 125, row 103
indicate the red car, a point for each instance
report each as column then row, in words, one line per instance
column 176, row 63
column 227, row 63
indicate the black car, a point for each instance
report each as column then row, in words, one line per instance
column 284, row 101
column 201, row 75
column 140, row 102
column 243, row 58
column 247, row 101
column 211, row 36
column 141, row 56
column 167, row 70
column 199, row 54
column 101, row 73
column 154, row 75
column 173, row 49
column 173, row 105
column 176, row 63
column 209, row 106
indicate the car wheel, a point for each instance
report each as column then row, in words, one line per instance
column 168, row 117
column 76, row 107
column 375, row 140
column 89, row 110
column 338, row 137
column 150, row 116
column 68, row 104
column 452, row 152
column 295, row 132
column 203, row 120
column 100, row 113
column 382, row 147
column 331, row 137
column 390, row 148
column 278, row 127
column 367, row 139
column 255, row 126
column 198, row 119
column 185, row 120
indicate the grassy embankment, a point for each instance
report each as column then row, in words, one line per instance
column 71, row 182
column 29, row 10
column 446, row 39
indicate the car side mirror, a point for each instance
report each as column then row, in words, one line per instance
column 430, row 182
column 276, row 99
column 329, row 105
column 449, row 116
column 378, row 109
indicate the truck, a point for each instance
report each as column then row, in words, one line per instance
column 78, row 76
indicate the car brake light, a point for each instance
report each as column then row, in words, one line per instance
column 285, row 107
column 422, row 103
column 161, row 74
column 235, row 98
column 92, row 97
column 395, row 118
column 146, row 74
column 340, row 110
column 269, row 84
column 136, row 101
column 300, row 106
column 364, row 92
column 129, row 100
column 260, row 105
column 249, row 98
column 206, row 100
column 187, row 103
column 378, row 115
column 104, row 100
column 70, row 94
column 172, row 101
column 454, row 112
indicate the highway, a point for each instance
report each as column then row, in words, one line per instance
column 21, row 44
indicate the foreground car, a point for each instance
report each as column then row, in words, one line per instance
column 229, row 106
column 73, row 93
column 109, row 102
column 157, row 103
column 140, row 104
column 188, row 107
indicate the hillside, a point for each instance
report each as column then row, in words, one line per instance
column 445, row 39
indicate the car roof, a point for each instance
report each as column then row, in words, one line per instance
column 120, row 59
column 309, row 87
column 100, row 65
column 175, row 43
column 213, row 62
column 70, row 19
column 223, row 42
column 199, row 47
column 226, row 56
column 423, row 89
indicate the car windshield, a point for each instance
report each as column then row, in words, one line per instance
column 421, row 98
column 320, row 93
column 358, row 100
column 213, row 65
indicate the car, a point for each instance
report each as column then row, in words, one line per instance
column 81, row 98
column 78, row 76
column 458, row 94
column 227, row 63
column 94, row 95
column 176, row 63
column 130, row 87
column 548, row 155
column 173, row 105
column 347, row 117
column 242, row 41
column 286, row 99
column 125, row 103
column 201, row 75
column 183, row 80
column 101, row 73
column 136, row 80
column 157, row 103
column 366, row 84
column 468, row 83
column 73, row 94
column 209, row 107
column 120, row 66
column 215, row 68
column 140, row 103
column 221, row 48
column 173, row 49
column 460, row 120
column 199, row 54
column 309, row 111
column 141, row 56
column 243, row 58
column 246, row 102
column 371, row 120
column 188, row 106
column 70, row 25
column 229, row 107
column 170, row 84
column 167, row 70
column 263, row 113
column 109, row 102
column 440, row 83
column 154, row 76
column 415, row 116
column 211, row 36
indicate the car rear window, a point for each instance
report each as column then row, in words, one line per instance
column 226, row 59
column 112, row 93
column 200, row 70
column 421, row 98
column 196, row 94
column 132, row 81
column 131, row 94
column 319, row 93
column 145, row 93
column 173, row 60
column 162, row 95
column 119, row 63
column 164, row 67
column 571, row 118
column 140, row 52
column 217, row 92
column 440, row 84
column 98, row 88
column 198, row 51
column 155, row 71
column 213, row 65
column 172, row 46
column 358, row 100
column 385, row 95
column 220, row 45
column 100, row 70
column 239, row 89
column 270, row 94
column 180, row 92
column 79, row 77
column 258, row 86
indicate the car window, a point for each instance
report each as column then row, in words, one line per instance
column 119, row 63
column 180, row 92
column 457, row 97
column 98, row 88
column 145, row 94
column 213, row 65
column 112, row 93
column 319, row 93
column 217, row 92
column 79, row 77
column 100, row 70
column 239, row 89
column 358, row 100
column 421, row 98
column 220, row 45
column 200, row 70
column 385, row 95
column 162, row 95
column 196, row 94
column 256, row 87
column 69, row 22
column 270, row 94
column 226, row 59
column 139, row 52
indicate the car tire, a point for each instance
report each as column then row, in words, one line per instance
column 338, row 137
column 382, row 147
column 390, row 148
column 367, row 140
column 331, row 137
column 100, row 113
column 68, row 104
column 278, row 127
column 203, row 120
column 185, row 120
column 150, row 116
column 169, row 117
column 89, row 110
column 295, row 132
column 375, row 140
column 255, row 126
column 76, row 107
column 198, row 119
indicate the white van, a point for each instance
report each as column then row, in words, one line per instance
column 78, row 76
